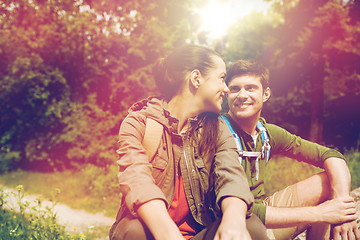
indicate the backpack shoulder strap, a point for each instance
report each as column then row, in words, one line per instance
column 265, row 140
column 152, row 137
column 237, row 139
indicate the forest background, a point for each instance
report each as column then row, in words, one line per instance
column 70, row 69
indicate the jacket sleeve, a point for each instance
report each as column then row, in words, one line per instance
column 230, row 178
column 135, row 173
column 293, row 146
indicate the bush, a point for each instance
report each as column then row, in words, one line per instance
column 102, row 185
column 283, row 171
column 353, row 160
column 8, row 159
column 35, row 224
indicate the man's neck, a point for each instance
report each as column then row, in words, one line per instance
column 248, row 125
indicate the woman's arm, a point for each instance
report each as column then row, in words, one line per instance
column 233, row 222
column 157, row 219
column 229, row 176
column 135, row 175
column 231, row 188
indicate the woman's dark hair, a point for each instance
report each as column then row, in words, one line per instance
column 248, row 67
column 208, row 123
column 170, row 72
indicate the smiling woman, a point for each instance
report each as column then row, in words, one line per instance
column 218, row 15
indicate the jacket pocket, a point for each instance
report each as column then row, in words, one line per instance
column 159, row 166
column 159, row 163
column 199, row 162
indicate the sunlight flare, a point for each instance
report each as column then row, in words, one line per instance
column 217, row 16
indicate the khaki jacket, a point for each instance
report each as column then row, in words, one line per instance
column 142, row 180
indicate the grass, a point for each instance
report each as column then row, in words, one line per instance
column 282, row 171
column 92, row 189
column 33, row 222
column 96, row 190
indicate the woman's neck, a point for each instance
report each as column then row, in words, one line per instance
column 183, row 108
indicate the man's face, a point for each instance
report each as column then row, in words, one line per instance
column 246, row 97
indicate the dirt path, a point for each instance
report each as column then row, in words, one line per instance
column 74, row 219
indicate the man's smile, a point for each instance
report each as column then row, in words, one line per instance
column 242, row 105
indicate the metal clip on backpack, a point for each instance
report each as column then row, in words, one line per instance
column 265, row 149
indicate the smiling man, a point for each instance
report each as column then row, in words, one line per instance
column 315, row 203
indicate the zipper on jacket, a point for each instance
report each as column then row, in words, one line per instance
column 187, row 170
column 187, row 165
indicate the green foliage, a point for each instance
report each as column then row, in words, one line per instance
column 70, row 69
column 283, row 171
column 92, row 188
column 251, row 37
column 312, row 50
column 104, row 189
column 87, row 137
column 68, row 72
column 353, row 161
column 36, row 223
column 9, row 159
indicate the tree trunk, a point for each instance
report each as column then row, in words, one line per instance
column 317, row 104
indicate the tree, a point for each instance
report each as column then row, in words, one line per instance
column 316, row 34
column 70, row 69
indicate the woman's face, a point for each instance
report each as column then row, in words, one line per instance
column 213, row 87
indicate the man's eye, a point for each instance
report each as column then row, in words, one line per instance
column 234, row 90
column 250, row 88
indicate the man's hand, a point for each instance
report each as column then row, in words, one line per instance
column 338, row 210
column 340, row 179
column 345, row 231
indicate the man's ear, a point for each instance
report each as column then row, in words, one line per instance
column 195, row 78
column 266, row 94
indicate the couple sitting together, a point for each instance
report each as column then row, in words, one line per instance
column 188, row 173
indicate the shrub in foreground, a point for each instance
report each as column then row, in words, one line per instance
column 25, row 222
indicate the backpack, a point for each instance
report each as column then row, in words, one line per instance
column 265, row 149
column 152, row 137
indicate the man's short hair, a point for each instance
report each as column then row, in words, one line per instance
column 248, row 67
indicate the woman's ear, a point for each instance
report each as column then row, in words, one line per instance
column 195, row 76
column 266, row 94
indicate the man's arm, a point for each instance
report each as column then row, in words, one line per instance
column 334, row 211
column 339, row 210
column 157, row 219
column 233, row 222
column 340, row 180
column 339, row 176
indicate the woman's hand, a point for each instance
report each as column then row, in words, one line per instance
column 158, row 220
column 233, row 223
column 231, row 230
